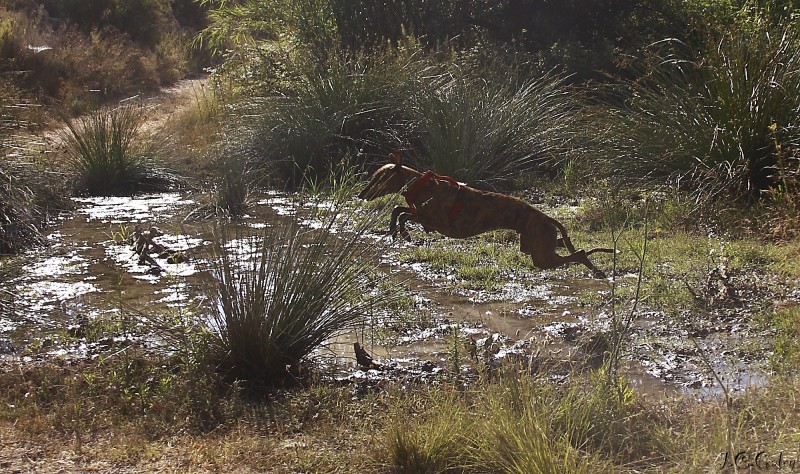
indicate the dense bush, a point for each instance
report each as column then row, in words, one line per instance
column 580, row 36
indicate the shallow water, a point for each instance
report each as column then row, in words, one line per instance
column 87, row 273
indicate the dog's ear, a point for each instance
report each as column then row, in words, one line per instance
column 395, row 158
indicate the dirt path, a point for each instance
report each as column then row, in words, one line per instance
column 173, row 100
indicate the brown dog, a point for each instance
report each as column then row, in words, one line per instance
column 443, row 205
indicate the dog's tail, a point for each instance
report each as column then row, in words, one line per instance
column 604, row 250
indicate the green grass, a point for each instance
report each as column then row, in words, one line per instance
column 433, row 441
column 336, row 110
column 485, row 262
column 146, row 411
column 786, row 323
column 520, row 425
column 477, row 124
column 20, row 218
column 24, row 186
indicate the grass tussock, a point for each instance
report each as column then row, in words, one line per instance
column 110, row 154
column 476, row 122
column 278, row 296
column 19, row 214
column 31, row 188
column 519, row 425
column 479, row 126
column 347, row 106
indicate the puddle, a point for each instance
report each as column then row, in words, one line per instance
column 88, row 271
column 122, row 210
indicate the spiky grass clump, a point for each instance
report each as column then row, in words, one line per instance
column 280, row 295
column 110, row 154
column 708, row 123
column 435, row 442
column 473, row 121
column 20, row 216
column 482, row 128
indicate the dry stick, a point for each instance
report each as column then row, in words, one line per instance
column 621, row 329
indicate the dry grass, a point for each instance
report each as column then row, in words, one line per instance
column 507, row 426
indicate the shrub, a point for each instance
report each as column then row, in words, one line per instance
column 709, row 123
column 364, row 24
column 278, row 296
column 79, row 53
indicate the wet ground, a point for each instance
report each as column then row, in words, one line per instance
column 90, row 271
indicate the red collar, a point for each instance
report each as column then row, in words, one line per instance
column 413, row 191
column 419, row 184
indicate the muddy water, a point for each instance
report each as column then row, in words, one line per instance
column 86, row 272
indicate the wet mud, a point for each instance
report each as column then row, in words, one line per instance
column 90, row 270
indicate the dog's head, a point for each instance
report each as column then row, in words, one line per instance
column 389, row 178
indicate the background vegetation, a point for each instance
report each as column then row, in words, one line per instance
column 76, row 54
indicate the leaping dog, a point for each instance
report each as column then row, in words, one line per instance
column 453, row 209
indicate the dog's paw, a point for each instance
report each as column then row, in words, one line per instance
column 402, row 236
column 600, row 274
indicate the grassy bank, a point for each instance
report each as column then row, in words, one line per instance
column 126, row 412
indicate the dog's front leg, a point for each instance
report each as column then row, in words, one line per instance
column 401, row 214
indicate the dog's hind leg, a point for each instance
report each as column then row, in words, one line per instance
column 549, row 259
